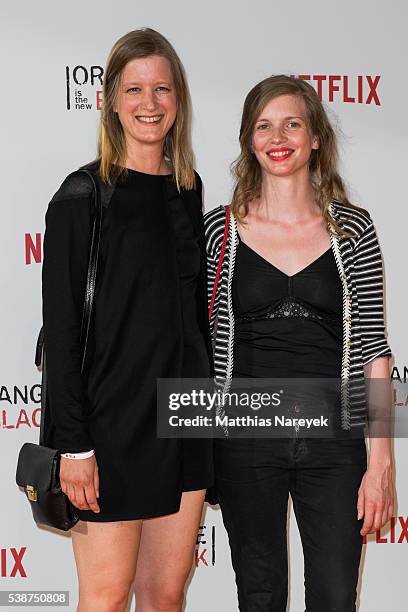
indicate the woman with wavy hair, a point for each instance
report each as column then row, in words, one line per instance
column 296, row 288
column 139, row 497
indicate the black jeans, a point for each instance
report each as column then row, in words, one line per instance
column 254, row 478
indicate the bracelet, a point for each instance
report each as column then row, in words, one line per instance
column 85, row 455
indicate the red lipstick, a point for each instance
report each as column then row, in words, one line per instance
column 283, row 154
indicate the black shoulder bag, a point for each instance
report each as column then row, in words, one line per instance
column 38, row 466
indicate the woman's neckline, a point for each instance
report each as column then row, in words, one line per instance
column 133, row 171
column 148, row 173
column 279, row 270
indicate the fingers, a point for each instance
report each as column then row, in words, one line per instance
column 96, row 480
column 384, row 516
column 81, row 501
column 76, row 496
column 82, row 497
column 376, row 517
column 91, row 498
column 368, row 520
column 375, row 502
column 80, row 482
column 391, row 510
column 360, row 505
column 377, row 522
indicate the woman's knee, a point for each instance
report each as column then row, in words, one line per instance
column 163, row 598
column 109, row 596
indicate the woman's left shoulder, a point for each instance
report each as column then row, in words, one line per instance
column 351, row 218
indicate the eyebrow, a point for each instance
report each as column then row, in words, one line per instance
column 284, row 119
column 163, row 82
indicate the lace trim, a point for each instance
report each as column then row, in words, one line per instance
column 286, row 308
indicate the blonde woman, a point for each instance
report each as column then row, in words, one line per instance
column 300, row 295
column 139, row 497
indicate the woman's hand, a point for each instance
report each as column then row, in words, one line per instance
column 376, row 497
column 376, row 502
column 80, row 482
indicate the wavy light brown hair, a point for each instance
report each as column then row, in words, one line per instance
column 177, row 146
column 323, row 162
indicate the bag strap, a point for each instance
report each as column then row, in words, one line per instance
column 92, row 267
column 98, row 200
column 220, row 260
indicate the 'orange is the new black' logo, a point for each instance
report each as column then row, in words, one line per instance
column 84, row 87
column 205, row 546
column 20, row 406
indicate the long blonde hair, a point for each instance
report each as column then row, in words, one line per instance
column 177, row 147
column 323, row 164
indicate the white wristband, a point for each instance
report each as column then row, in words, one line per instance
column 85, row 455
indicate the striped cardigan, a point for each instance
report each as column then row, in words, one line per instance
column 359, row 264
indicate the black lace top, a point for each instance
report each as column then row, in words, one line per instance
column 286, row 326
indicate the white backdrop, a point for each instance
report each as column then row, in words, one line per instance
column 226, row 48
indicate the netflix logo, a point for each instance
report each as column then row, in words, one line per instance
column 33, row 248
column 204, row 554
column 11, row 562
column 397, row 534
column 356, row 89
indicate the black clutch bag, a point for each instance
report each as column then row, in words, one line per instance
column 38, row 466
column 38, row 473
